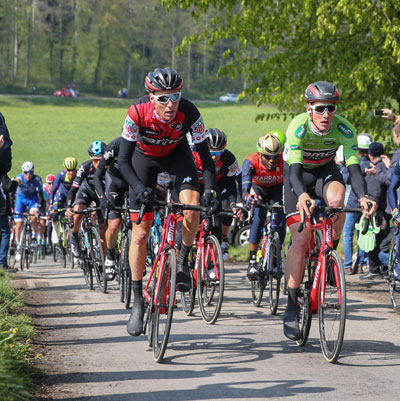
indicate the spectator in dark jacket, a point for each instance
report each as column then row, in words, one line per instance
column 378, row 191
column 5, row 148
column 6, row 186
column 363, row 142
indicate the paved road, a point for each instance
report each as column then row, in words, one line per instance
column 88, row 354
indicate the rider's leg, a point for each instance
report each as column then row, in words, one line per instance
column 111, row 237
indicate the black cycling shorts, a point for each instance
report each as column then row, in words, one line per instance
column 314, row 179
column 115, row 193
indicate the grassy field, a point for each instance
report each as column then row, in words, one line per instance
column 45, row 130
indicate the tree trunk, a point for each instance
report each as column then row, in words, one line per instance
column 31, row 30
column 14, row 42
column 97, row 71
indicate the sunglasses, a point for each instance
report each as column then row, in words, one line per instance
column 71, row 170
column 268, row 157
column 164, row 99
column 321, row 109
column 28, row 172
column 49, row 183
column 216, row 153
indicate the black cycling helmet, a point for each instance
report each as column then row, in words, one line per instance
column 216, row 139
column 162, row 79
column 321, row 91
column 97, row 149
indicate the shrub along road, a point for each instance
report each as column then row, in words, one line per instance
column 88, row 354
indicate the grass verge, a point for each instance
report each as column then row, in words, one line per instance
column 16, row 354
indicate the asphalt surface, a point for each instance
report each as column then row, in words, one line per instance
column 88, row 355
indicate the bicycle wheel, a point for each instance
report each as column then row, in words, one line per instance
column 85, row 263
column 274, row 272
column 303, row 302
column 97, row 258
column 28, row 249
column 394, row 285
column 68, row 247
column 188, row 298
column 12, row 249
column 258, row 286
column 332, row 310
column 127, row 277
column 210, row 283
column 164, row 305
column 22, row 248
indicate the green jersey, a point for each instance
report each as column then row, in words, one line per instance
column 312, row 149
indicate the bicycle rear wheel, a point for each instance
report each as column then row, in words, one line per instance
column 211, row 281
column 164, row 305
column 332, row 310
column 88, row 274
column 394, row 285
column 188, row 298
column 258, row 285
column 274, row 272
column 126, row 272
column 97, row 258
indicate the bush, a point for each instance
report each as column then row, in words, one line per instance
column 16, row 332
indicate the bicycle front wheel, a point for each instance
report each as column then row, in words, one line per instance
column 164, row 305
column 274, row 272
column 126, row 272
column 211, row 280
column 97, row 258
column 303, row 302
column 394, row 285
column 332, row 309
column 188, row 298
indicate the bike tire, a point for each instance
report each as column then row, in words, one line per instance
column 68, row 247
column 188, row 298
column 303, row 302
column 274, row 272
column 97, row 258
column 127, row 272
column 394, row 285
column 22, row 249
column 28, row 250
column 210, row 291
column 12, row 249
column 85, row 262
column 164, row 305
column 332, row 312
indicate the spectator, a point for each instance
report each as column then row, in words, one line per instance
column 378, row 192
column 6, row 186
column 5, row 148
column 363, row 142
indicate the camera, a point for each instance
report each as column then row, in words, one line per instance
column 378, row 112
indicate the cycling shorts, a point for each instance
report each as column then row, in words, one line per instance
column 24, row 204
column 315, row 180
column 86, row 197
column 115, row 194
column 179, row 164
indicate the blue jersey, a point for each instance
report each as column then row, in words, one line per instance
column 31, row 188
column 394, row 186
column 61, row 186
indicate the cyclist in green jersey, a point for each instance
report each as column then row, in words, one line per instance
column 310, row 171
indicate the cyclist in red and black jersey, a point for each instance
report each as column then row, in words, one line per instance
column 153, row 141
column 229, row 180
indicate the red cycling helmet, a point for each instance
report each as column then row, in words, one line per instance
column 50, row 178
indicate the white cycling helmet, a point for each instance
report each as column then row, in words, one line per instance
column 27, row 166
column 363, row 141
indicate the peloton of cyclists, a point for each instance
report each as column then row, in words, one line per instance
column 313, row 138
column 228, row 177
column 262, row 181
column 153, row 141
column 59, row 193
column 111, row 189
column 29, row 198
column 82, row 194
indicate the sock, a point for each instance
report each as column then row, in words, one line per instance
column 335, row 243
column 111, row 253
column 184, row 254
column 137, row 289
column 253, row 256
column 292, row 298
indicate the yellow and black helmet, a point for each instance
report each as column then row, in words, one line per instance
column 70, row 163
column 269, row 145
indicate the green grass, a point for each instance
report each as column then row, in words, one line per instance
column 45, row 130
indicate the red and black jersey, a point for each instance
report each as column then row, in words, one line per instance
column 156, row 137
column 227, row 166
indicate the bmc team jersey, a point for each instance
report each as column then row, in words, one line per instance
column 156, row 137
column 255, row 172
column 227, row 166
column 304, row 145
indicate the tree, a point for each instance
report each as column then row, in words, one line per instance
column 285, row 45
